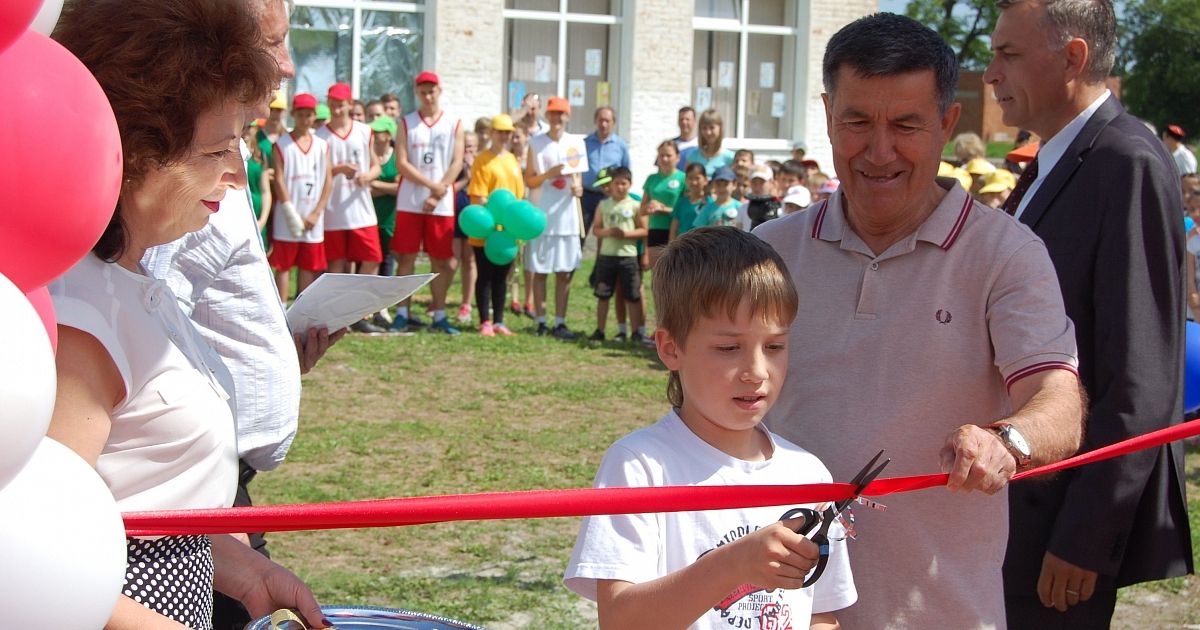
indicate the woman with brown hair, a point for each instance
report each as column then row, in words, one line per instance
column 709, row 151
column 140, row 395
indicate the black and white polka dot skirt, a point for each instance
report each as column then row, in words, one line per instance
column 172, row 576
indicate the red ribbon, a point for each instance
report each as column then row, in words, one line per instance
column 575, row 502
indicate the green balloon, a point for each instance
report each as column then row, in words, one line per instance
column 498, row 201
column 525, row 221
column 476, row 221
column 500, row 248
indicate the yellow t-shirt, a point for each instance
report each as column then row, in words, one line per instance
column 490, row 173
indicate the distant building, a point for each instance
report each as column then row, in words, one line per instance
column 757, row 61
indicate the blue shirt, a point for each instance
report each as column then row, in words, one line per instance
column 724, row 157
column 606, row 154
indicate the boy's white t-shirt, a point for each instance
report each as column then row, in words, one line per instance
column 642, row 547
column 349, row 206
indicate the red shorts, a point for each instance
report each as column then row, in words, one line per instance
column 358, row 245
column 415, row 228
column 307, row 256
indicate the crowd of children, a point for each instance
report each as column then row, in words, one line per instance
column 360, row 188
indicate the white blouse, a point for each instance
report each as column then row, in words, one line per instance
column 172, row 444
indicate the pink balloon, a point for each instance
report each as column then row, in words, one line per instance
column 40, row 299
column 15, row 17
column 62, row 170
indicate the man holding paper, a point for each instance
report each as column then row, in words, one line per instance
column 556, row 191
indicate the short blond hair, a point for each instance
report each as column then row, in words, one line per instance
column 707, row 272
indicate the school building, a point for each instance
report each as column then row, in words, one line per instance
column 758, row 62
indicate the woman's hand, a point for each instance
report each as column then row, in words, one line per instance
column 262, row 586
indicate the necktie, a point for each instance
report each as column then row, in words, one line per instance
column 1023, row 184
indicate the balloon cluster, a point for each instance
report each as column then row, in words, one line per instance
column 501, row 224
column 61, row 526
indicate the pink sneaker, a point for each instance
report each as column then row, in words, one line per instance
column 487, row 330
column 501, row 329
column 464, row 314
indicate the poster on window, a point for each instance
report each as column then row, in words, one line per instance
column 576, row 92
column 766, row 75
column 516, row 94
column 778, row 105
column 725, row 72
column 703, row 98
column 592, row 58
column 541, row 68
column 603, row 94
column 753, row 103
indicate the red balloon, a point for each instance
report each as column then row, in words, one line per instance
column 62, row 166
column 44, row 305
column 15, row 17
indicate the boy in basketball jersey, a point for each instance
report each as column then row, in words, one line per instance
column 301, row 188
column 429, row 157
column 351, row 232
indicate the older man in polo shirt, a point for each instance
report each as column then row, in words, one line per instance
column 930, row 326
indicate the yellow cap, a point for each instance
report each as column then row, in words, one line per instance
column 280, row 100
column 998, row 180
column 963, row 178
column 502, row 122
column 945, row 169
column 979, row 166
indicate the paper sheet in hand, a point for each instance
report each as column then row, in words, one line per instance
column 336, row 300
column 573, row 155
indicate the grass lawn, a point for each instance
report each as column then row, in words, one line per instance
column 427, row 414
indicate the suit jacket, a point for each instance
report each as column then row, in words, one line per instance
column 1111, row 215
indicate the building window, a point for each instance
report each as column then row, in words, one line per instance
column 376, row 50
column 538, row 59
column 744, row 61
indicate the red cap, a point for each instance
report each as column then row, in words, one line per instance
column 304, row 100
column 811, row 164
column 558, row 104
column 1023, row 153
column 427, row 77
column 341, row 91
column 1177, row 131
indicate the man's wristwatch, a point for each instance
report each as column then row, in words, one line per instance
column 1014, row 442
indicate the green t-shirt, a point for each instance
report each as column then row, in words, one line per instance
column 619, row 214
column 687, row 213
column 385, row 205
column 264, row 145
column 664, row 189
column 254, row 172
column 721, row 214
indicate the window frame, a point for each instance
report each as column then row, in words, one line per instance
column 792, row 75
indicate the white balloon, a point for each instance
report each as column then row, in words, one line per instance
column 47, row 17
column 63, row 544
column 27, row 380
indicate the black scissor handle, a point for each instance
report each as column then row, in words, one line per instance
column 811, row 517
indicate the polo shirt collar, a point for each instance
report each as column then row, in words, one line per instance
column 941, row 228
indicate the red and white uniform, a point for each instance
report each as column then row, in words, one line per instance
column 304, row 177
column 350, row 206
column 431, row 151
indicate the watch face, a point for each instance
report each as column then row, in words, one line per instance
column 1017, row 440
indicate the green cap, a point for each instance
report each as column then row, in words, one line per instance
column 384, row 124
column 322, row 111
column 602, row 177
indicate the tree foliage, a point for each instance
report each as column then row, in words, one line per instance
column 965, row 24
column 1162, row 78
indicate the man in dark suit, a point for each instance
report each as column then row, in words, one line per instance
column 1103, row 195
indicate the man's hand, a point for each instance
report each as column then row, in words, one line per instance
column 345, row 170
column 363, row 179
column 976, row 459
column 1062, row 584
column 438, row 190
column 577, row 189
column 312, row 346
column 430, row 204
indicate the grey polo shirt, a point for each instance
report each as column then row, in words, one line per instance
column 894, row 352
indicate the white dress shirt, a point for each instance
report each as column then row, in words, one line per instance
column 1053, row 149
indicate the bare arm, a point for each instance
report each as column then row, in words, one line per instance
column 639, row 230
column 534, row 179
column 261, row 585
column 373, row 171
column 824, row 621
column 1049, row 414
column 264, row 188
column 281, row 191
column 456, row 162
column 404, row 166
column 326, row 190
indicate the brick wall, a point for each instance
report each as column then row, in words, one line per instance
column 468, row 56
column 661, row 81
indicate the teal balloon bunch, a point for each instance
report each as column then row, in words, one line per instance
column 501, row 223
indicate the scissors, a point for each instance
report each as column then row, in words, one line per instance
column 831, row 513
